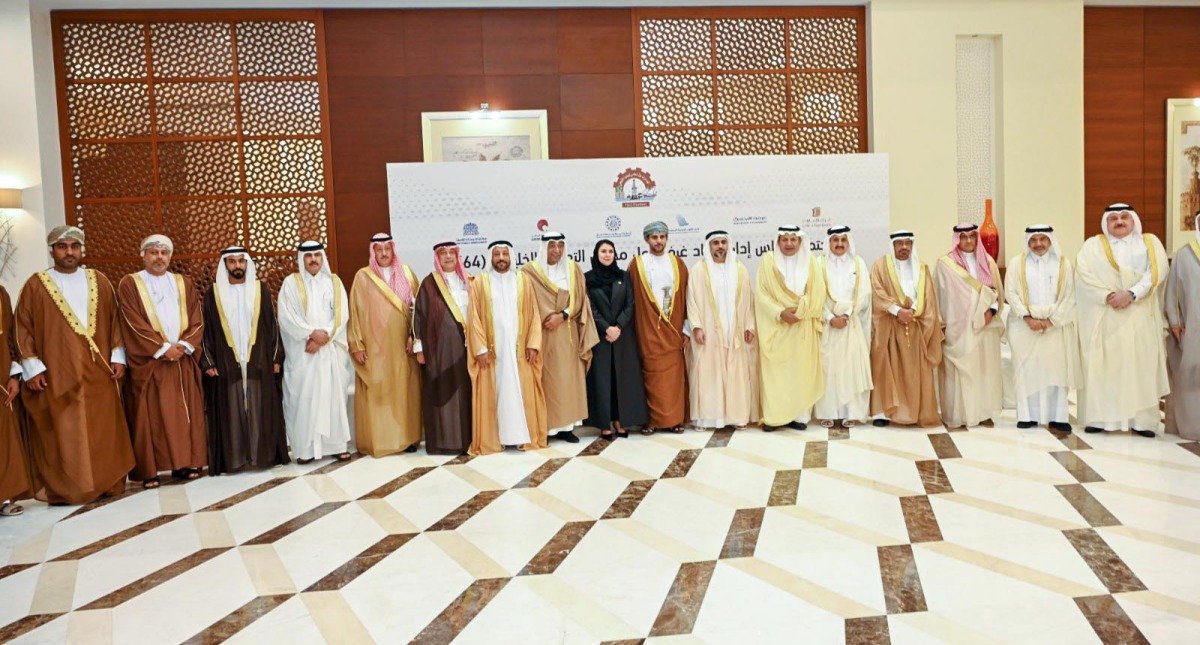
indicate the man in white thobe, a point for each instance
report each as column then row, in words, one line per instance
column 723, row 370
column 1121, row 326
column 846, row 342
column 1040, row 292
column 313, row 311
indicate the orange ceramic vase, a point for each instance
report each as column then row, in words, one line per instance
column 989, row 235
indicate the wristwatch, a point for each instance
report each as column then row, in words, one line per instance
column 565, row 315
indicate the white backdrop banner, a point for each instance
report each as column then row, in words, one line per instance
column 593, row 199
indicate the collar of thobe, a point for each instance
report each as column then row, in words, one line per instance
column 50, row 279
column 227, row 329
column 149, row 303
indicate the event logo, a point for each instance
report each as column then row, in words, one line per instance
column 634, row 188
column 681, row 220
column 470, row 235
column 543, row 224
column 613, row 223
column 750, row 219
column 816, row 212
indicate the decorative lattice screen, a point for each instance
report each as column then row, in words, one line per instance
column 750, row 81
column 209, row 127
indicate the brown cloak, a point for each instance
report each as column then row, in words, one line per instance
column 903, row 357
column 661, row 342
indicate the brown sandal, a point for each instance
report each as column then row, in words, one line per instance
column 345, row 456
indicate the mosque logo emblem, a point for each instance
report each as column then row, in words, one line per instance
column 470, row 229
column 634, row 187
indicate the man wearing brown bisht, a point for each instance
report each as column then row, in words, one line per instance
column 504, row 339
column 164, row 333
column 14, row 476
column 242, row 358
column 660, row 282
column 387, row 393
column 73, row 358
column 440, row 343
column 568, row 335
column 906, row 344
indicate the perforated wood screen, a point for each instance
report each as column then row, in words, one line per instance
column 750, row 81
column 209, row 127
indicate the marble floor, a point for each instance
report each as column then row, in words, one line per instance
column 867, row 535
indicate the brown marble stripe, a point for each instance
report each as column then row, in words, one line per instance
column 335, row 464
column 816, row 454
column 868, row 630
column 837, row 433
column 116, row 538
column 24, row 626
column 933, row 475
column 237, row 620
column 276, row 534
column 455, row 617
column 627, row 502
column 901, row 583
column 11, row 569
column 682, row 605
column 943, row 446
column 1103, row 561
column 919, row 518
column 742, row 538
column 594, row 448
column 1087, row 505
column 459, row 460
column 785, row 488
column 1109, row 620
column 105, row 500
column 146, row 583
column 1069, row 439
column 398, row 483
column 682, row 464
column 542, row 473
column 720, row 438
column 466, row 511
column 557, row 549
column 230, row 502
column 360, row 563
column 1190, row 446
column 1082, row 472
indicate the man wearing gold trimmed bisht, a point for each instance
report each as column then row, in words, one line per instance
column 1121, row 325
column 243, row 357
column 164, row 332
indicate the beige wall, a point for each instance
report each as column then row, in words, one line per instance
column 1039, row 126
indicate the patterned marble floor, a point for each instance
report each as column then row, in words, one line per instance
column 821, row 536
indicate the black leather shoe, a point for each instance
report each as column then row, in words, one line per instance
column 1093, row 429
column 798, row 425
column 1144, row 433
column 567, row 436
column 1026, row 424
column 881, row 423
column 767, row 428
column 1059, row 425
column 412, row 448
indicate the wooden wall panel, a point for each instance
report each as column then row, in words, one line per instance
column 387, row 67
column 1134, row 60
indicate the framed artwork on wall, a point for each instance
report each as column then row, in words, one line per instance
column 1183, row 170
column 485, row 135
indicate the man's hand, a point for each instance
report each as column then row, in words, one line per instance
column 421, row 358
column 118, row 371
column 906, row 316
column 698, row 335
column 484, row 360
column 1032, row 323
column 1177, row 332
column 531, row 355
column 311, row 347
column 173, row 354
column 839, row 322
column 212, row 371
column 360, row 357
column 988, row 316
column 749, row 337
column 789, row 316
column 319, row 336
column 278, row 368
column 408, row 345
column 14, row 386
column 1119, row 299
column 553, row 321
column 37, row 383
column 612, row 334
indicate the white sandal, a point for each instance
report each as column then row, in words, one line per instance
column 847, row 423
column 828, row 423
column 8, row 509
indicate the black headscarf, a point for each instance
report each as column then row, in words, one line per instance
column 602, row 277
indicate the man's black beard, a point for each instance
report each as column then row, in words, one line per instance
column 237, row 275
